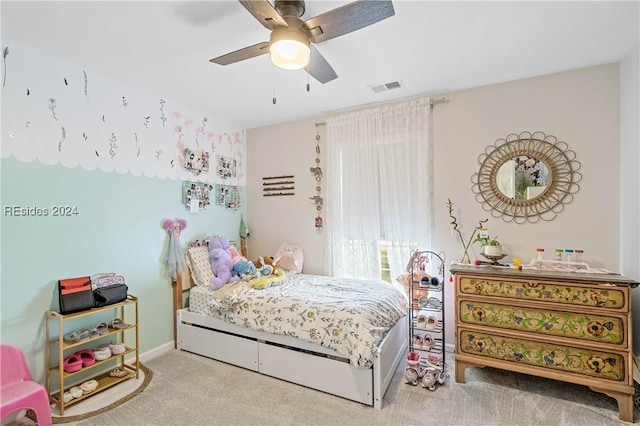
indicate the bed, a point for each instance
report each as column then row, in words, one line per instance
column 342, row 336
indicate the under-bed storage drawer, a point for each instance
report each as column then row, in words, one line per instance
column 221, row 346
column 317, row 372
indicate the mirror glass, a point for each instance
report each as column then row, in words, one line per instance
column 523, row 178
column 526, row 177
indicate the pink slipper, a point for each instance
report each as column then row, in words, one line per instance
column 72, row 363
column 87, row 357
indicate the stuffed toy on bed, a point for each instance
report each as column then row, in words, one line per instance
column 245, row 270
column 221, row 263
column 289, row 257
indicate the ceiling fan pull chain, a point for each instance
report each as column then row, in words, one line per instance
column 308, row 85
column 274, row 100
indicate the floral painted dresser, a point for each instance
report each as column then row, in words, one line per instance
column 568, row 326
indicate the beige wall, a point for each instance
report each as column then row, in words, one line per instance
column 630, row 175
column 580, row 107
column 288, row 149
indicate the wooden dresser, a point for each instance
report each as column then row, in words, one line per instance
column 574, row 327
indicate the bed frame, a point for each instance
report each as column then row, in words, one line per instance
column 291, row 359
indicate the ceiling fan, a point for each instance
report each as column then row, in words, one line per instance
column 290, row 44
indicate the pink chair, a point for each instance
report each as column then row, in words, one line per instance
column 17, row 390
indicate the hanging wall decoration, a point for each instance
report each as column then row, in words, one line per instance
column 226, row 167
column 196, row 161
column 174, row 258
column 228, row 196
column 317, row 173
column 196, row 195
column 84, row 119
column 278, row 185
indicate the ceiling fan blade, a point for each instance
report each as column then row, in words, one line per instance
column 242, row 54
column 319, row 68
column 347, row 18
column 265, row 13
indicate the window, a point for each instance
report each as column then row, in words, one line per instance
column 379, row 189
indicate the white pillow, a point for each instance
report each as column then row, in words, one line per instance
column 199, row 264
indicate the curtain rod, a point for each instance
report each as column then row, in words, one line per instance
column 432, row 102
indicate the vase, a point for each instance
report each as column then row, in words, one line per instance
column 493, row 250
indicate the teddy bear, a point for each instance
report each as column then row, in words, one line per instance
column 265, row 265
column 221, row 263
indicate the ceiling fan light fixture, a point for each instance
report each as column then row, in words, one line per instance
column 289, row 49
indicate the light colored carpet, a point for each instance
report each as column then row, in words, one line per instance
column 188, row 389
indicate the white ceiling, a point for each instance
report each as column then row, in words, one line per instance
column 431, row 47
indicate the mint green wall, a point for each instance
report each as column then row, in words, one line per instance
column 58, row 159
column 117, row 228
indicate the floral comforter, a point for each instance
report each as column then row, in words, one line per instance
column 347, row 315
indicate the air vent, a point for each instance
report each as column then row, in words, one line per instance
column 378, row 88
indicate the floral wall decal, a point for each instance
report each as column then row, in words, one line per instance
column 122, row 128
column 5, row 53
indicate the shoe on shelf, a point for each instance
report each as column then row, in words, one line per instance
column 427, row 343
column 434, row 283
column 118, row 324
column 102, row 352
column 431, row 323
column 102, row 328
column 421, row 322
column 117, row 348
column 422, row 301
column 76, row 392
column 67, row 397
column 78, row 335
column 434, row 361
column 433, row 303
column 87, row 357
column 117, row 372
column 88, row 386
column 417, row 342
column 72, row 363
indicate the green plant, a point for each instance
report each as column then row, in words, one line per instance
column 456, row 228
column 487, row 241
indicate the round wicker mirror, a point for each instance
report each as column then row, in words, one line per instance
column 526, row 177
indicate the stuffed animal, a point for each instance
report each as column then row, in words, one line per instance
column 264, row 260
column 265, row 265
column 235, row 255
column 289, row 257
column 221, row 263
column 244, row 269
column 265, row 282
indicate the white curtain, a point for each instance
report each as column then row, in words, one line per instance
column 379, row 188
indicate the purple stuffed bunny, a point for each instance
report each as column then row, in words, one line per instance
column 221, row 263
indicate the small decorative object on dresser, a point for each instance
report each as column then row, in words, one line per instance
column 569, row 326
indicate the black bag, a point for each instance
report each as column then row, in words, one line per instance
column 109, row 295
column 75, row 294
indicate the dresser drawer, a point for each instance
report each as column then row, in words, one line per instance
column 586, row 362
column 607, row 329
column 596, row 296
